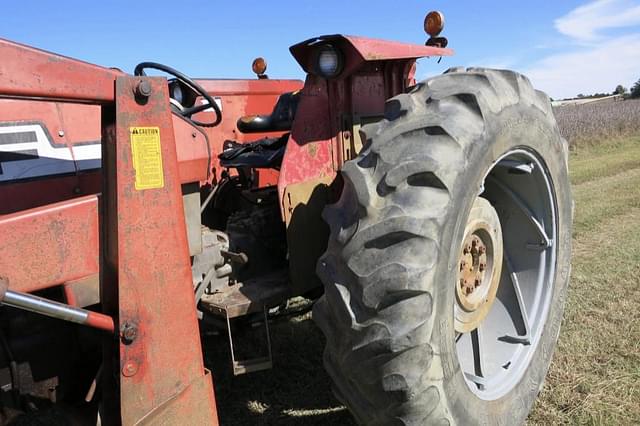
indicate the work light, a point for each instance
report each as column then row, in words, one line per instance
column 329, row 61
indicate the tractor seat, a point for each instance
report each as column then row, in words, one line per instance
column 280, row 119
column 265, row 153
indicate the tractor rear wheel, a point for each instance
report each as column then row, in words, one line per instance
column 449, row 255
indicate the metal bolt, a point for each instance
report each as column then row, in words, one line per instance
column 129, row 369
column 143, row 89
column 128, row 333
column 61, row 133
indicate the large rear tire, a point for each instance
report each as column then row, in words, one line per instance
column 401, row 348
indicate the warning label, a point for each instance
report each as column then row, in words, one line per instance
column 147, row 157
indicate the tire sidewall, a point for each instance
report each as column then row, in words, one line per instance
column 514, row 127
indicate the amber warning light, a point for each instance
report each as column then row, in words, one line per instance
column 434, row 23
column 259, row 66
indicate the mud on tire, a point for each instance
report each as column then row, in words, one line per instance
column 392, row 258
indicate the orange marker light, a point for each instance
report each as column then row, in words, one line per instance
column 434, row 23
column 259, row 66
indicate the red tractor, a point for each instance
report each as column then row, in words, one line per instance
column 430, row 220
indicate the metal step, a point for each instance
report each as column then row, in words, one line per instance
column 252, row 296
column 249, row 297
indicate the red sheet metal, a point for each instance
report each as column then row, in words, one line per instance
column 372, row 49
column 309, row 151
column 27, row 71
column 49, row 245
column 193, row 150
column 362, row 49
column 147, row 281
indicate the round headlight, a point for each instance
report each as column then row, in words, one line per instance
column 329, row 62
column 175, row 92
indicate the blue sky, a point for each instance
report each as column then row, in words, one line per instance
column 566, row 47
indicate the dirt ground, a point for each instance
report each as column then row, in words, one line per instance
column 595, row 375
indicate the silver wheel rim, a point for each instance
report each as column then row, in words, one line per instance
column 494, row 356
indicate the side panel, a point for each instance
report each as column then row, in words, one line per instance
column 324, row 136
column 308, row 167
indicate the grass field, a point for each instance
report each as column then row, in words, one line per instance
column 590, row 124
column 595, row 375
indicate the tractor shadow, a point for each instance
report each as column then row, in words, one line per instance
column 297, row 391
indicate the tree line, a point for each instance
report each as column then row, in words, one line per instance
column 619, row 90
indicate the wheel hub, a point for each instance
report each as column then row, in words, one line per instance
column 473, row 268
column 480, row 267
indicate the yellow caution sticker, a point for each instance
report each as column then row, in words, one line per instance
column 147, row 157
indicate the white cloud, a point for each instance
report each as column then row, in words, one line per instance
column 598, row 69
column 585, row 23
column 600, row 63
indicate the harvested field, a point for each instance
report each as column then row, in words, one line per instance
column 595, row 375
column 591, row 124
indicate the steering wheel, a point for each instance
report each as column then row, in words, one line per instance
column 195, row 87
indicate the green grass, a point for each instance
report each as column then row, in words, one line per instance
column 604, row 160
column 595, row 375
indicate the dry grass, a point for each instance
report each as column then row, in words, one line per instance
column 591, row 124
column 595, row 375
